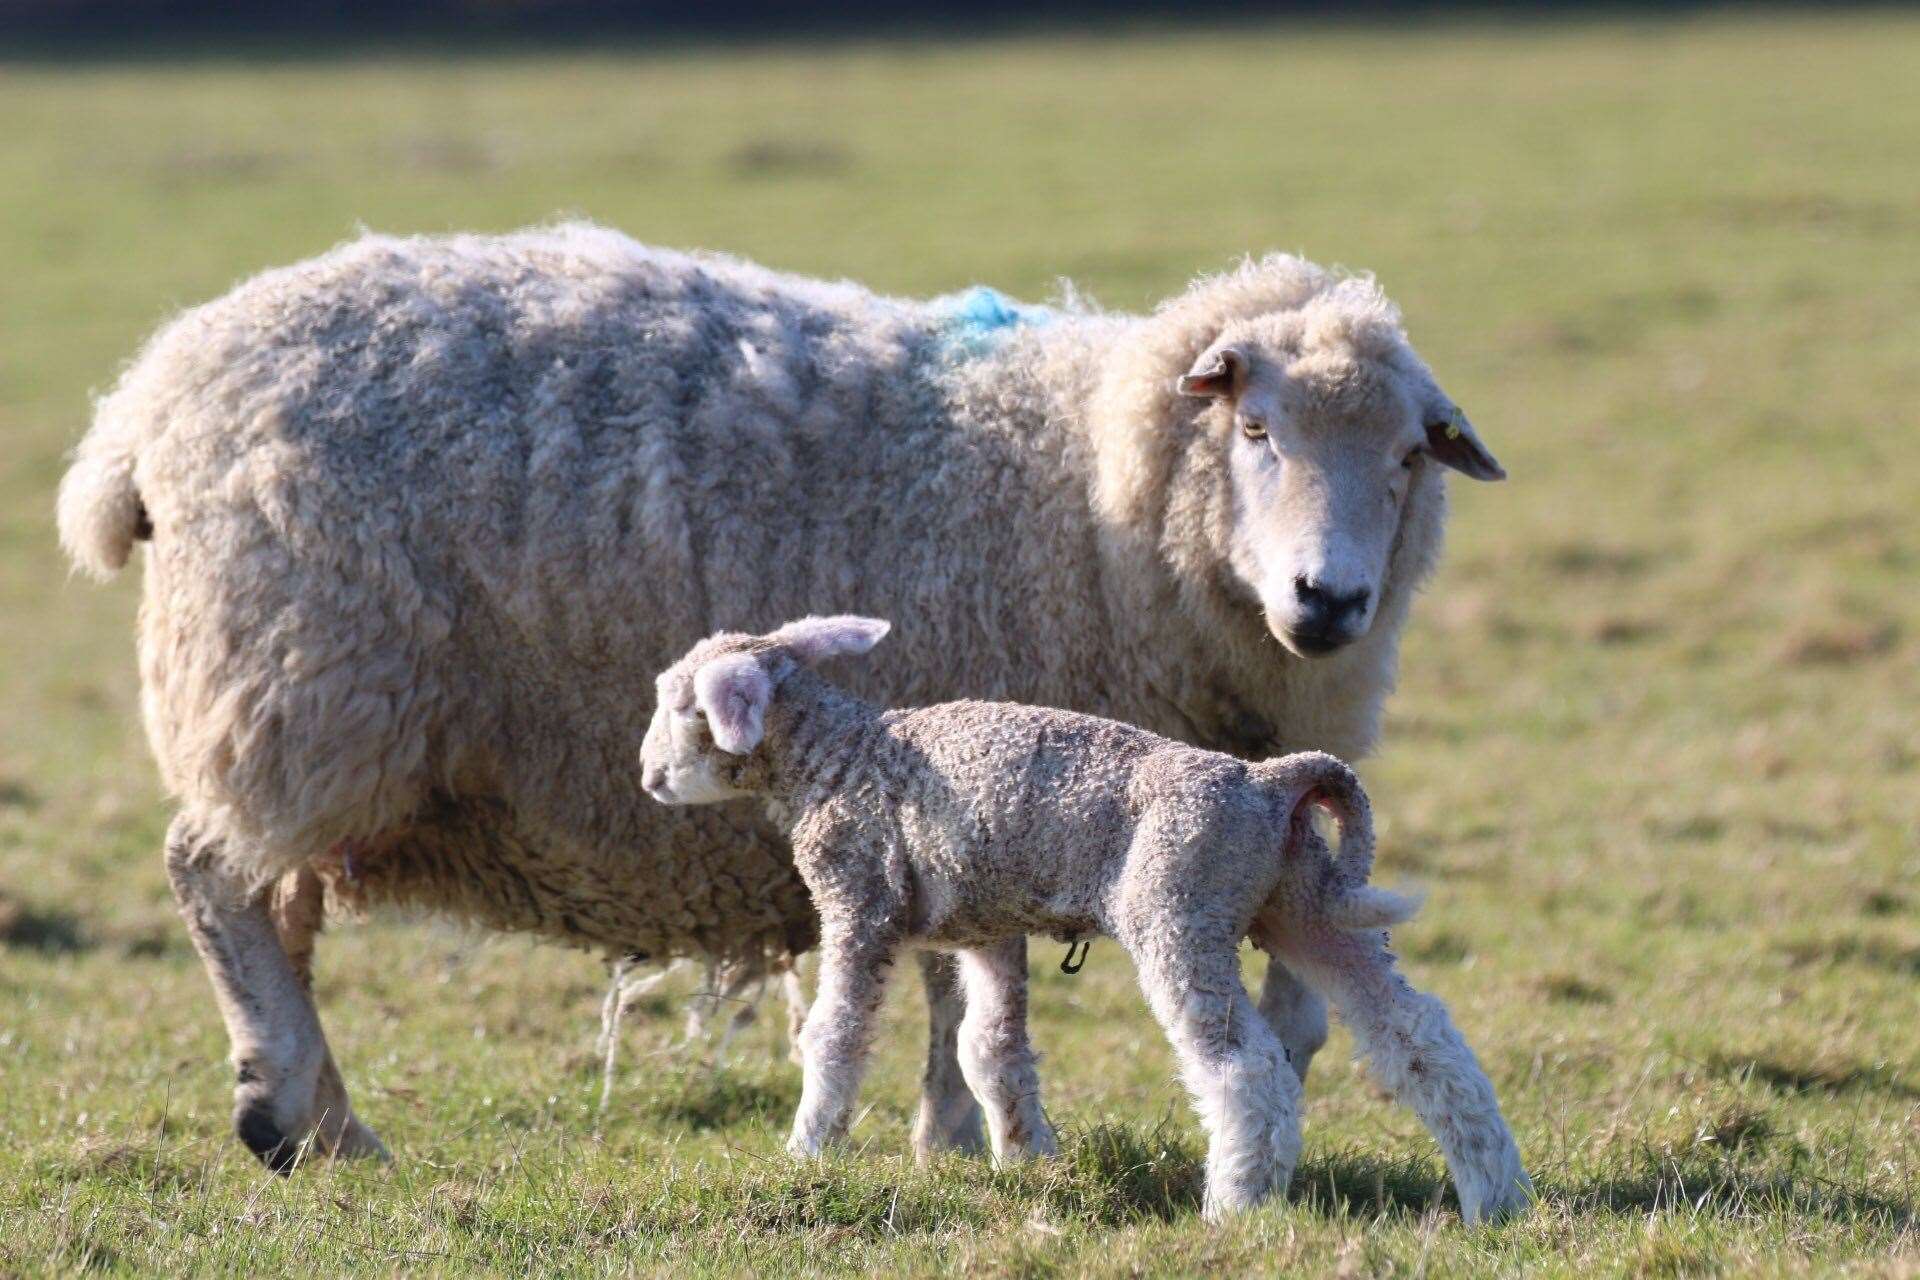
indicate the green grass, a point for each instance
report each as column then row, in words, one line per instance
column 1654, row 753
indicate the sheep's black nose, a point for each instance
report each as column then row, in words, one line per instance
column 1322, row 609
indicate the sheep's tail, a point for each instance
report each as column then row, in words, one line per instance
column 101, row 514
column 1316, row 778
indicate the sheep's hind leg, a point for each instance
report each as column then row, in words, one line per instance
column 1233, row 1064
column 625, row 988
column 949, row 1118
column 1296, row 1012
column 997, row 1055
column 289, row 1099
column 1416, row 1054
column 796, row 997
column 838, row 1038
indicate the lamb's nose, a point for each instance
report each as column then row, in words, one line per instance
column 1323, row 609
column 653, row 777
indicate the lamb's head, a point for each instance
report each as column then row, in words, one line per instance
column 710, row 714
column 1328, row 424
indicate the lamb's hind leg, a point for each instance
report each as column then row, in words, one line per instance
column 288, row 1099
column 997, row 1055
column 1416, row 1054
column 949, row 1117
column 1233, row 1064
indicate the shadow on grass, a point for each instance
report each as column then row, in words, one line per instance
column 1813, row 1076
column 708, row 1100
column 49, row 932
column 1731, row 1187
column 1114, row 1174
column 131, row 1165
column 1878, row 953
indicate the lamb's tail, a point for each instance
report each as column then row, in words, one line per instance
column 1314, row 778
column 1368, row 907
column 101, row 514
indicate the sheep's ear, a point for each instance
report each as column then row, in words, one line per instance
column 734, row 692
column 814, row 640
column 1219, row 372
column 1452, row 442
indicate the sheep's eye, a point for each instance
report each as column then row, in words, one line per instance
column 1253, row 430
column 1408, row 461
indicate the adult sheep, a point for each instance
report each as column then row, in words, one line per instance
column 426, row 516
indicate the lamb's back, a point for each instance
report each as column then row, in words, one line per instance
column 1011, row 804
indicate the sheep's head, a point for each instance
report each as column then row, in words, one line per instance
column 710, row 712
column 1329, row 426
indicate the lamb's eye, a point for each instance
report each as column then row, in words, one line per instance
column 1253, row 430
column 1408, row 461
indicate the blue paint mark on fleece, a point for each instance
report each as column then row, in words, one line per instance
column 973, row 321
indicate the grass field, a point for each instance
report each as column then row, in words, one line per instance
column 1655, row 753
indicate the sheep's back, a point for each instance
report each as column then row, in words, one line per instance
column 430, row 515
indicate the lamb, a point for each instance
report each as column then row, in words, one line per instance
column 425, row 516
column 967, row 825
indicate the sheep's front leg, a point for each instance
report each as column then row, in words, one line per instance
column 258, row 947
column 997, row 1055
column 949, row 1117
column 1235, row 1067
column 838, row 1036
column 1296, row 1012
column 1415, row 1053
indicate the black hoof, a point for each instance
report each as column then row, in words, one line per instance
column 264, row 1138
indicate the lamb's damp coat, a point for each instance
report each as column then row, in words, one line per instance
column 427, row 514
column 965, row 826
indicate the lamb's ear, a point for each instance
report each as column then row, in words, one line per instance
column 1452, row 442
column 814, row 640
column 1219, row 372
column 734, row 692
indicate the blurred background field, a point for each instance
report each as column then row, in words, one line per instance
column 1655, row 753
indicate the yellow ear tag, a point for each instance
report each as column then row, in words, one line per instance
column 1453, row 428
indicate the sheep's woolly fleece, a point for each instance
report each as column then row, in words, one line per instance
column 427, row 514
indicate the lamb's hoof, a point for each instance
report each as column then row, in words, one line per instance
column 1040, row 1145
column 1230, row 1192
column 1224, row 1208
column 1501, row 1201
column 1044, row 1146
column 957, row 1127
column 807, row 1148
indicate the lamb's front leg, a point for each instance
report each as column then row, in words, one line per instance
column 997, row 1055
column 1416, row 1054
column 838, row 1037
